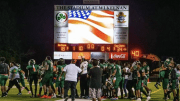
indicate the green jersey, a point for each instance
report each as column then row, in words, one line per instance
column 167, row 73
column 134, row 75
column 102, row 66
column 20, row 73
column 142, row 70
column 64, row 65
column 111, row 68
column 59, row 68
column 33, row 69
column 147, row 69
column 89, row 66
column 50, row 69
column 139, row 72
column 118, row 71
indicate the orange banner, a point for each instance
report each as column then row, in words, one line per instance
column 79, row 55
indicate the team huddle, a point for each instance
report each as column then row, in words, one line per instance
column 114, row 75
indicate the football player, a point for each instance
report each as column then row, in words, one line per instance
column 41, row 75
column 22, row 76
column 161, row 75
column 165, row 82
column 47, row 79
column 118, row 83
column 33, row 75
column 4, row 71
column 103, row 66
column 144, row 81
column 60, row 82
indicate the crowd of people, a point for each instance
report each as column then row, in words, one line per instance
column 98, row 79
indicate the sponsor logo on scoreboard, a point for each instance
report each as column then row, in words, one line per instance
column 121, row 17
column 119, row 56
column 61, row 19
column 80, row 55
column 64, row 55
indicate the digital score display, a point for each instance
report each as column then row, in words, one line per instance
column 135, row 54
column 91, row 47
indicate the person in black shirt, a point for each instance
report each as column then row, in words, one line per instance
column 95, row 74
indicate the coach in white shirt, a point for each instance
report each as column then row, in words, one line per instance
column 71, row 71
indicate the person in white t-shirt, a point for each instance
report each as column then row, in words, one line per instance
column 126, row 76
column 83, row 79
column 71, row 71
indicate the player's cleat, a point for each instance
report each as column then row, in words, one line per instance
column 39, row 95
column 114, row 98
column 139, row 99
column 32, row 96
column 86, row 97
column 19, row 94
column 6, row 94
column 125, row 97
column 149, row 93
column 54, row 96
column 29, row 92
column 133, row 98
column 148, row 98
column 66, row 99
column 44, row 96
column 159, row 84
column 169, row 96
column 3, row 95
column 76, row 96
column 156, row 86
column 82, row 97
column 165, row 99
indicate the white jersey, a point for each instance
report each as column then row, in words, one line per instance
column 14, row 68
column 126, row 70
column 85, row 65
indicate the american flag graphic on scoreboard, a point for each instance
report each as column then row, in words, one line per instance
column 87, row 26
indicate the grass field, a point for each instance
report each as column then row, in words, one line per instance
column 157, row 94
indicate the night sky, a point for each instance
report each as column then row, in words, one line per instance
column 153, row 25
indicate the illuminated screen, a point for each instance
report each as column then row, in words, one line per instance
column 90, row 26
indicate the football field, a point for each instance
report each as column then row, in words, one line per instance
column 156, row 95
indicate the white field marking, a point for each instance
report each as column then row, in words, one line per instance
column 154, row 92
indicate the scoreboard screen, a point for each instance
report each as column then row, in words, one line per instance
column 91, row 47
column 91, row 28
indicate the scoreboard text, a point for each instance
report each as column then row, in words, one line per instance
column 91, row 47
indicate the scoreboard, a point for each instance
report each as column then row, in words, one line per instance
column 91, row 47
column 92, row 30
